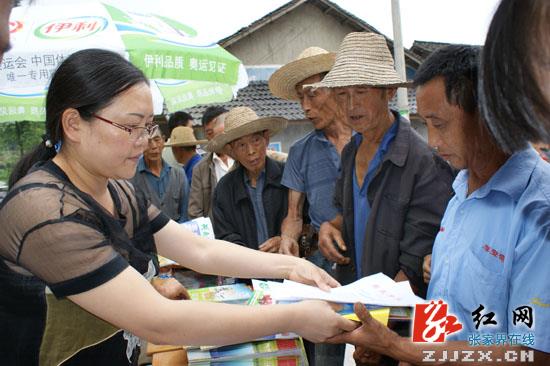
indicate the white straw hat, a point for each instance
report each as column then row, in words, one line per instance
column 363, row 59
column 312, row 61
column 183, row 136
column 242, row 121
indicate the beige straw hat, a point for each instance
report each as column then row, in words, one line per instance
column 183, row 136
column 363, row 59
column 242, row 121
column 312, row 61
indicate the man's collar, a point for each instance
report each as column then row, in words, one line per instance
column 511, row 178
column 272, row 171
column 142, row 166
column 399, row 149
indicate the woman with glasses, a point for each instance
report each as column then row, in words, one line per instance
column 73, row 221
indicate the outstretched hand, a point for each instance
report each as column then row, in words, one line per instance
column 317, row 320
column 308, row 273
column 371, row 335
column 331, row 244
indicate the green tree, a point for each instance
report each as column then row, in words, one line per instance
column 16, row 139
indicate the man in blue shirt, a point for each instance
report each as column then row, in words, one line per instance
column 393, row 189
column 313, row 163
column 490, row 258
column 164, row 185
column 184, row 147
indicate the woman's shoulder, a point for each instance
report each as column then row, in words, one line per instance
column 42, row 196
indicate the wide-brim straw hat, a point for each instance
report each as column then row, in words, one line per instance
column 362, row 60
column 242, row 121
column 183, row 136
column 312, row 61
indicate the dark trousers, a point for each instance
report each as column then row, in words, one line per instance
column 22, row 318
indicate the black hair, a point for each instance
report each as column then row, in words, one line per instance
column 511, row 96
column 87, row 81
column 211, row 113
column 178, row 119
column 458, row 65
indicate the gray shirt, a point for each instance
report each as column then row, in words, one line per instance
column 255, row 194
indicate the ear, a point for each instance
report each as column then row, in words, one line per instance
column 266, row 137
column 72, row 124
column 227, row 150
column 391, row 93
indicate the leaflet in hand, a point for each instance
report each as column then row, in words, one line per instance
column 375, row 290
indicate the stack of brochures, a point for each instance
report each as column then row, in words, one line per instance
column 279, row 352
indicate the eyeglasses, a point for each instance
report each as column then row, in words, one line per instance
column 135, row 133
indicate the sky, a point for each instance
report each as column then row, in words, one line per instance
column 452, row 21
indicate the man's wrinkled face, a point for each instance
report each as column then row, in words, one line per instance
column 363, row 107
column 445, row 122
column 153, row 153
column 318, row 103
column 250, row 150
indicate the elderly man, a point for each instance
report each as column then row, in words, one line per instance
column 393, row 188
column 313, row 164
column 490, row 258
column 210, row 169
column 165, row 186
column 184, row 147
column 249, row 202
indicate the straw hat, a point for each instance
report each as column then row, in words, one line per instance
column 242, row 121
column 183, row 136
column 311, row 61
column 363, row 59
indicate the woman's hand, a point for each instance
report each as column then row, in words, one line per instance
column 317, row 321
column 308, row 273
column 371, row 335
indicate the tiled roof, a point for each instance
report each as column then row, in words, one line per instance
column 423, row 49
column 258, row 97
column 328, row 7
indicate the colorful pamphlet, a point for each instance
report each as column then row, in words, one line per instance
column 237, row 293
column 273, row 352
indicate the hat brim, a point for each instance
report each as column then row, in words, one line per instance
column 345, row 83
column 282, row 83
column 271, row 124
column 188, row 143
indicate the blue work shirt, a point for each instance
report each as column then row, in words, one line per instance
column 312, row 167
column 493, row 249
column 190, row 165
column 361, row 206
column 160, row 183
column 256, row 196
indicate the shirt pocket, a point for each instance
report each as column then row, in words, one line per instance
column 390, row 216
column 478, row 282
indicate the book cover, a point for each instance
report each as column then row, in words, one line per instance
column 237, row 293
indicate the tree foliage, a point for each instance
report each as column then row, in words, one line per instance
column 16, row 139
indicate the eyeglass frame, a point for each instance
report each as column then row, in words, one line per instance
column 151, row 129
